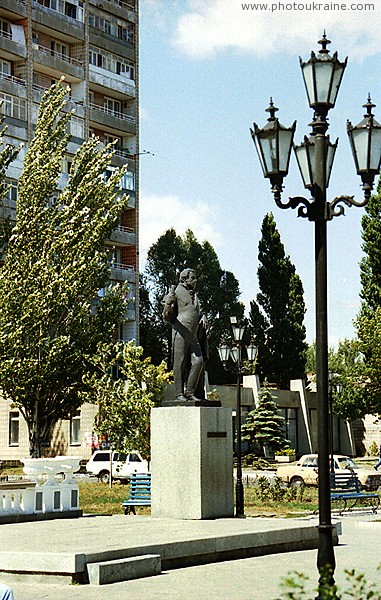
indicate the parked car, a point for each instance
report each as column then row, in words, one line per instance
column 305, row 471
column 123, row 465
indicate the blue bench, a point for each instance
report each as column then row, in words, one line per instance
column 346, row 490
column 140, row 492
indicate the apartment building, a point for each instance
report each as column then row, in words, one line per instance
column 94, row 45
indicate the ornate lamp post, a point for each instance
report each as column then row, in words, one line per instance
column 322, row 75
column 234, row 352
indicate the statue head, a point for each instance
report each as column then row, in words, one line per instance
column 188, row 278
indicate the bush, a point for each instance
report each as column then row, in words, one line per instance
column 294, row 588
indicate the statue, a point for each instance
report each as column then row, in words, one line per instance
column 189, row 343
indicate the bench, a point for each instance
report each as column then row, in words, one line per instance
column 140, row 492
column 346, row 490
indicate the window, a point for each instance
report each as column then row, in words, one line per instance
column 70, row 10
column 108, row 139
column 75, row 428
column 11, row 191
column 5, row 29
column 5, row 68
column 128, row 181
column 290, row 421
column 112, row 106
column 14, row 428
column 61, row 49
column 13, row 106
column 102, row 457
column 126, row 33
column 76, row 127
column 110, row 62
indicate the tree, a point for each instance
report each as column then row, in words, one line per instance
column 264, row 425
column 368, row 322
column 277, row 315
column 124, row 405
column 218, row 291
column 51, row 319
column 347, row 365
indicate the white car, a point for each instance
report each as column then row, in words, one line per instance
column 305, row 471
column 123, row 465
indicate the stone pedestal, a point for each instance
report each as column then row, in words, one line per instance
column 192, row 462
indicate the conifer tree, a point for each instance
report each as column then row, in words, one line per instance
column 276, row 316
column 368, row 383
column 50, row 323
column 264, row 425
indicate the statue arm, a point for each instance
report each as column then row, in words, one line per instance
column 170, row 306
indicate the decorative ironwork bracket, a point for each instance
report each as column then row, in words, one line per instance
column 309, row 209
column 335, row 208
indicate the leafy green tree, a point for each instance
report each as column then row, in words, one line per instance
column 218, row 291
column 277, row 315
column 264, row 425
column 50, row 320
column 124, row 405
column 347, row 365
column 369, row 320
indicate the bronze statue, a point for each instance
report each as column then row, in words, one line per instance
column 189, row 344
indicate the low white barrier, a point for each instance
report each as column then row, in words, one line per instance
column 43, row 492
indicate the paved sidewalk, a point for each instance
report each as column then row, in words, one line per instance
column 247, row 579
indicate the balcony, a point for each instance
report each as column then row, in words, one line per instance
column 56, row 20
column 102, row 79
column 110, row 118
column 123, row 236
column 16, row 7
column 14, row 49
column 122, row 272
column 12, row 85
column 55, row 61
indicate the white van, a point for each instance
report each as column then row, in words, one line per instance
column 123, row 465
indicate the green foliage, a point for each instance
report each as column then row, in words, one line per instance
column 50, row 321
column 124, row 405
column 218, row 291
column 347, row 366
column 295, row 586
column 264, row 425
column 277, row 314
column 276, row 491
column 374, row 449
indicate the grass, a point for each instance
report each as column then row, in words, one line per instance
column 98, row 498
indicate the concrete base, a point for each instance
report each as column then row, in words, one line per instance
column 62, row 551
column 192, row 462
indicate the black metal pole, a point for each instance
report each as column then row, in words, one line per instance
column 326, row 556
column 331, row 428
column 239, row 494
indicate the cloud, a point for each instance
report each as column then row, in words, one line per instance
column 209, row 27
column 159, row 213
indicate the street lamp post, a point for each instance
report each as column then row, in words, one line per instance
column 338, row 388
column 322, row 75
column 234, row 352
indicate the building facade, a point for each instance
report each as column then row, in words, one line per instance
column 94, row 45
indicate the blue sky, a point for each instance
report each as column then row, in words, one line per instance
column 207, row 71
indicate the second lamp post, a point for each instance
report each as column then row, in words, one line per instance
column 322, row 75
column 234, row 352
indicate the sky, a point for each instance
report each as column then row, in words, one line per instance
column 207, row 71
